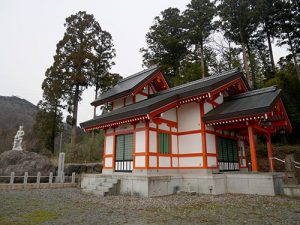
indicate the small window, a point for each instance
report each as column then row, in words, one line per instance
column 164, row 143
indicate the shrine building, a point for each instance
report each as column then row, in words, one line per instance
column 201, row 128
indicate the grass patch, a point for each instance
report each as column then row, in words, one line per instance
column 36, row 217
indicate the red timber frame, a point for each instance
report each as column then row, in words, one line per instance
column 149, row 85
column 154, row 117
column 255, row 125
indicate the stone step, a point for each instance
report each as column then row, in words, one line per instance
column 103, row 188
column 111, row 180
column 91, row 186
column 87, row 191
column 100, row 193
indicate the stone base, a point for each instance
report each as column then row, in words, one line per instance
column 292, row 190
column 160, row 185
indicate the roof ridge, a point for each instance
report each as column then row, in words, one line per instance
column 213, row 76
column 138, row 73
column 254, row 92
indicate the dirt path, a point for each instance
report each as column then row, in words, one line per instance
column 70, row 206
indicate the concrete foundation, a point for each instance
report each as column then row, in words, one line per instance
column 205, row 183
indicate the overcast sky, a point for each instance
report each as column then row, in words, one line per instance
column 31, row 29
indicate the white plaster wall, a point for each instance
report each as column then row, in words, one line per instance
column 140, row 140
column 151, row 124
column 152, row 161
column 139, row 97
column 210, row 143
column 128, row 100
column 140, row 124
column 243, row 162
column 174, row 144
column 242, row 153
column 109, row 144
column 126, row 126
column 152, row 141
column 191, row 143
column 211, row 128
column 150, row 91
column 220, row 99
column 174, row 129
column 140, row 161
column 211, row 161
column 175, row 162
column 118, row 103
column 164, row 126
column 164, row 161
column 110, row 130
column 189, row 117
column 190, row 161
column 207, row 107
column 169, row 115
column 108, row 162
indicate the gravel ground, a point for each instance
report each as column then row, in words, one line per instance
column 70, row 206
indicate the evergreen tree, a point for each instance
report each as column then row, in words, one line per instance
column 166, row 42
column 266, row 11
column 48, row 122
column 238, row 17
column 198, row 19
column 79, row 54
column 102, row 62
column 288, row 28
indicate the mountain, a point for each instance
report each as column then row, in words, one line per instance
column 15, row 111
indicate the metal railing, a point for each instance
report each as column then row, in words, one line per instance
column 283, row 161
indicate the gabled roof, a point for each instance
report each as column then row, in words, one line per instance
column 165, row 97
column 246, row 104
column 126, row 86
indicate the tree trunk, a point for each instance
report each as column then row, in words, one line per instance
column 53, row 132
column 230, row 57
column 96, row 95
column 75, row 112
column 294, row 55
column 202, row 59
column 253, row 75
column 270, row 48
column 246, row 66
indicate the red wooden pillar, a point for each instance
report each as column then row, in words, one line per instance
column 270, row 156
column 252, row 149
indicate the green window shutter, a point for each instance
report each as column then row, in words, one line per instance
column 164, row 143
column 128, row 147
column 167, row 141
column 120, row 147
column 220, row 150
column 235, row 152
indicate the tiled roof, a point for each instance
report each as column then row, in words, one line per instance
column 165, row 97
column 249, row 103
column 125, row 86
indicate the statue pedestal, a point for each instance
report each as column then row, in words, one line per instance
column 19, row 148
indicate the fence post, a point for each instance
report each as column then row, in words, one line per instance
column 12, row 177
column 50, row 178
column 38, row 179
column 73, row 178
column 25, row 177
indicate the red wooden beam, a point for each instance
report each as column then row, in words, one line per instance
column 227, row 85
column 230, row 127
column 252, row 149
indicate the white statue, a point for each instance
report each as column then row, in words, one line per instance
column 18, row 139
